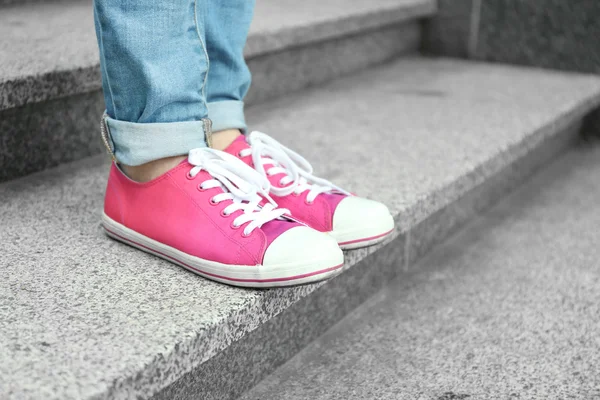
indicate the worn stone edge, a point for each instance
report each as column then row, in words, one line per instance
column 425, row 235
column 82, row 79
column 446, row 195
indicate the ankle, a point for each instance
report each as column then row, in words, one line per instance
column 222, row 139
column 152, row 170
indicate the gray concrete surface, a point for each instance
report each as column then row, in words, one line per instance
column 84, row 317
column 453, row 28
column 278, row 74
column 43, row 135
column 49, row 50
column 509, row 308
column 427, row 123
column 548, row 34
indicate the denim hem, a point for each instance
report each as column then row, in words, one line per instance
column 227, row 114
column 136, row 144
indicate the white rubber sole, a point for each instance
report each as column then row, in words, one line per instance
column 354, row 240
column 256, row 276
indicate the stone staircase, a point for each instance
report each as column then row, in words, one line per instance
column 505, row 309
column 437, row 140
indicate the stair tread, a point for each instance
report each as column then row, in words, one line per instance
column 49, row 50
column 509, row 305
column 416, row 134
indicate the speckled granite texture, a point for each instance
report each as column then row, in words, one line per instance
column 507, row 309
column 4, row 3
column 47, row 50
column 82, row 316
column 57, row 53
column 283, row 72
column 259, row 352
column 450, row 30
column 280, row 24
column 459, row 106
column 38, row 136
column 546, row 33
column 439, row 225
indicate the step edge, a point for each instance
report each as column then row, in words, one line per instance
column 506, row 156
column 316, row 32
column 259, row 44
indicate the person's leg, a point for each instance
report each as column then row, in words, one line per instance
column 206, row 212
column 154, row 63
column 228, row 80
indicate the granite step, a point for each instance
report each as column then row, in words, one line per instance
column 6, row 3
column 437, row 140
column 508, row 308
column 50, row 99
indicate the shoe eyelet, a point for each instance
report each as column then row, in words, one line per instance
column 200, row 188
column 189, row 176
column 224, row 214
column 212, row 201
column 308, row 203
column 248, row 235
column 234, row 226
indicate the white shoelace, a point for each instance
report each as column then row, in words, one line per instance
column 241, row 185
column 266, row 151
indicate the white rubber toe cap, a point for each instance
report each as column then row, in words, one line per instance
column 359, row 222
column 303, row 251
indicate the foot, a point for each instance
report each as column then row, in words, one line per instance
column 154, row 169
column 204, row 215
column 353, row 221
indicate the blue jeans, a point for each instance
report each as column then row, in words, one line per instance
column 167, row 68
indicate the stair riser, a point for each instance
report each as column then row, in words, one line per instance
column 42, row 135
column 46, row 87
column 260, row 352
column 14, row 2
column 436, row 228
column 280, row 73
column 247, row 361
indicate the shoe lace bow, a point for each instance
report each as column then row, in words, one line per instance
column 267, row 152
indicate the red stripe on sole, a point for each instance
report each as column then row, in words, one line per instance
column 225, row 277
column 366, row 239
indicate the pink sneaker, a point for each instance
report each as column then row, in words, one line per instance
column 353, row 221
column 204, row 215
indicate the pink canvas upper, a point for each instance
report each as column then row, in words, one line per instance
column 173, row 210
column 318, row 214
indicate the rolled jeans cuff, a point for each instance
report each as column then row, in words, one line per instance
column 135, row 144
column 227, row 114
